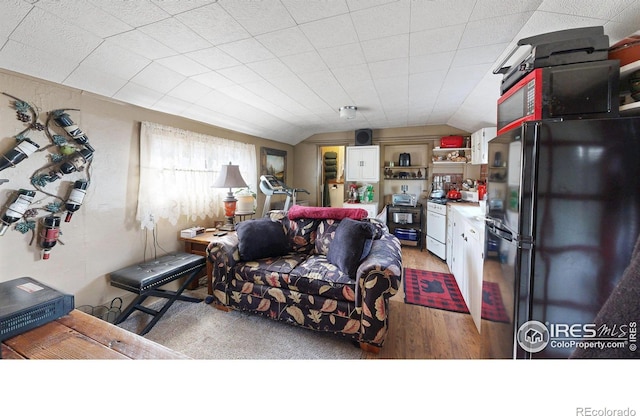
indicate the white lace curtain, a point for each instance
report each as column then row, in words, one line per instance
column 177, row 169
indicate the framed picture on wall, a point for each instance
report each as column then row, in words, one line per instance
column 273, row 162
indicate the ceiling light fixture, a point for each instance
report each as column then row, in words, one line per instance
column 348, row 112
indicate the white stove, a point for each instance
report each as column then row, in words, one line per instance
column 436, row 240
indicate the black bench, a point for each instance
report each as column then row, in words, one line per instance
column 145, row 278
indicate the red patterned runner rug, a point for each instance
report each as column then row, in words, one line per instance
column 440, row 291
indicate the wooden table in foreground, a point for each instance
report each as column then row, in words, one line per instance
column 81, row 336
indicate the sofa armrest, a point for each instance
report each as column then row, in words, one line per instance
column 378, row 278
column 223, row 253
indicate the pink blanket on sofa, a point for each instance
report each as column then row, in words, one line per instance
column 299, row 211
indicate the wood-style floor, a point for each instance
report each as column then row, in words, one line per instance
column 416, row 332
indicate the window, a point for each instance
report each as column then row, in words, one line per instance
column 177, row 168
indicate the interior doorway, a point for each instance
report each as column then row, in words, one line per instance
column 331, row 179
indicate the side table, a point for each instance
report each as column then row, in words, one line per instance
column 198, row 245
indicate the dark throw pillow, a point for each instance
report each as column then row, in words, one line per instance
column 259, row 239
column 349, row 245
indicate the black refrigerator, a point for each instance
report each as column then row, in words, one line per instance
column 562, row 218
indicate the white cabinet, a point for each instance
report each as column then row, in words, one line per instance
column 466, row 256
column 362, row 164
column 473, row 258
column 480, row 145
column 457, row 253
column 449, row 236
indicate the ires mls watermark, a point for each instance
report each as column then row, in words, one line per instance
column 534, row 336
column 590, row 411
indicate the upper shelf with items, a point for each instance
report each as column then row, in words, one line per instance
column 451, row 155
column 629, row 106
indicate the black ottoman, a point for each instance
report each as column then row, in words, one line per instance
column 145, row 278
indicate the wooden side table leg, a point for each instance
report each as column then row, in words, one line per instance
column 209, row 278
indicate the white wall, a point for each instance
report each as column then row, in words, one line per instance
column 103, row 235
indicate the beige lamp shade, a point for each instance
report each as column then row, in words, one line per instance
column 229, row 177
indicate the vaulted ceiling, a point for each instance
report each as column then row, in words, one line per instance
column 280, row 69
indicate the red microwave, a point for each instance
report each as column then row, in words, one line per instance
column 584, row 90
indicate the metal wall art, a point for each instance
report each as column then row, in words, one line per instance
column 70, row 156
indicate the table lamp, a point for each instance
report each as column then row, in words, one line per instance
column 229, row 177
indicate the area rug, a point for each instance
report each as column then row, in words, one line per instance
column 203, row 332
column 440, row 291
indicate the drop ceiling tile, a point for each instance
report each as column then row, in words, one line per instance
column 138, row 95
column 355, row 5
column 435, row 40
column 500, row 29
column 304, row 62
column 134, row 13
column 343, row 55
column 121, row 62
column 374, row 22
column 349, row 75
column 240, row 74
column 485, row 9
column 142, row 44
column 174, row 7
column 13, row 11
column 213, row 58
column 158, row 78
column 171, row 105
column 270, row 68
column 93, row 80
column 325, row 85
column 307, row 11
column 247, row 50
column 285, row 42
column 242, row 94
column 183, row 65
column 393, row 92
column 333, row 31
column 176, row 35
column 429, row 15
column 544, row 22
column 213, row 80
column 390, row 68
column 214, row 24
column 297, row 97
column 386, row 48
column 24, row 59
column 593, row 8
column 55, row 36
column 82, row 14
column 189, row 90
column 259, row 17
column 479, row 55
column 431, row 62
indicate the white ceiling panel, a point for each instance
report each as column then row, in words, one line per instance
column 259, row 17
column 279, row 69
column 333, row 31
column 374, row 22
column 176, row 35
column 82, row 14
column 12, row 14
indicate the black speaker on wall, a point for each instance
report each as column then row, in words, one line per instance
column 364, row 137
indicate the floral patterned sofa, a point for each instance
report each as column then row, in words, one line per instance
column 301, row 286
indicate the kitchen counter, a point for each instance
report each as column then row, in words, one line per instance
column 470, row 210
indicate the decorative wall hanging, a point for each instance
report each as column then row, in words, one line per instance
column 67, row 156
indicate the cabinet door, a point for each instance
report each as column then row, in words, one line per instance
column 362, row 164
column 476, row 155
column 473, row 253
column 457, row 257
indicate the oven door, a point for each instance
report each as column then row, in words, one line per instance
column 437, row 226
